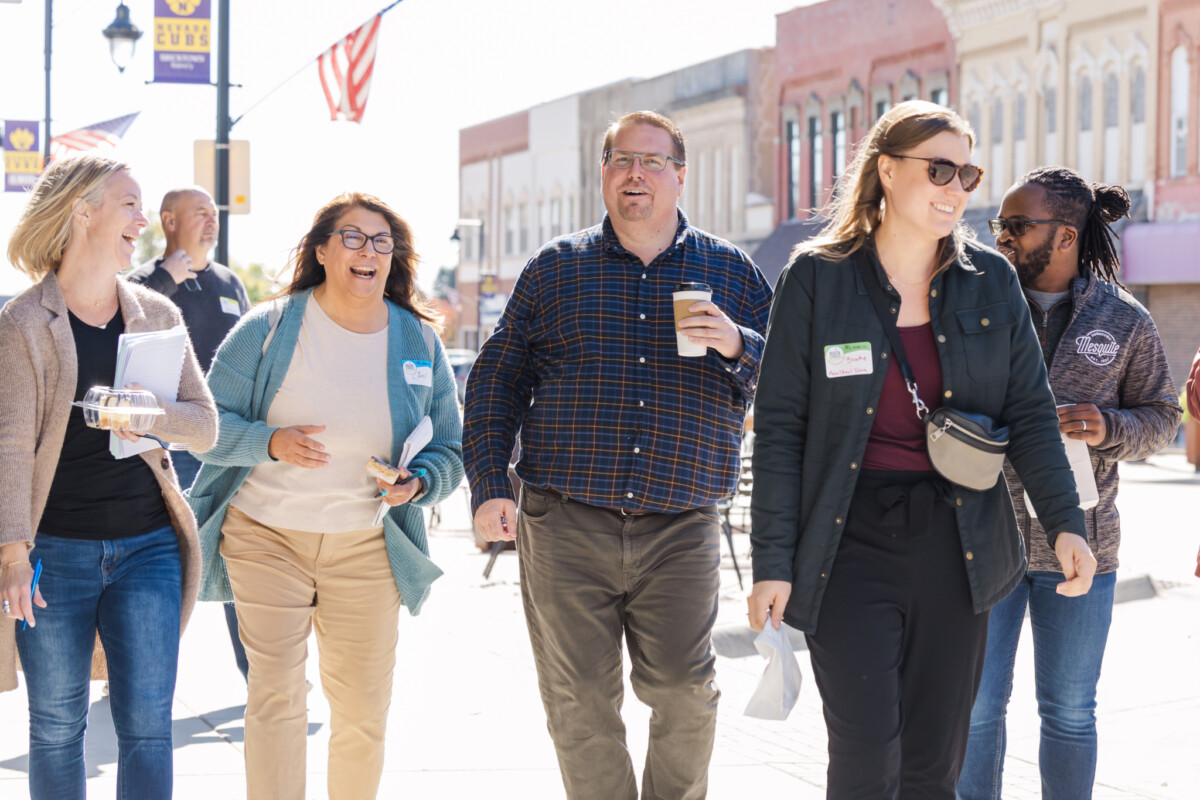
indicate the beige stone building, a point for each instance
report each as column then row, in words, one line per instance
column 1054, row 82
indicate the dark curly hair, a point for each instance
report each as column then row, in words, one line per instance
column 401, row 285
column 1091, row 208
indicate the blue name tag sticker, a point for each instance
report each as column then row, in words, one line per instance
column 418, row 373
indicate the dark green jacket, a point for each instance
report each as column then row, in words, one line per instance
column 811, row 429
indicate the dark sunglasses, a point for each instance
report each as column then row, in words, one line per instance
column 942, row 171
column 1016, row 226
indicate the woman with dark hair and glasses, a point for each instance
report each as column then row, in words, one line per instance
column 310, row 386
column 1109, row 374
column 887, row 567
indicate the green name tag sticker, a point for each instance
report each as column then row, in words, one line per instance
column 853, row 358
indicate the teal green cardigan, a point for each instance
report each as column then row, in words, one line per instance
column 244, row 379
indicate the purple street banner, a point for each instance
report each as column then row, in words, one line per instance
column 181, row 41
column 22, row 156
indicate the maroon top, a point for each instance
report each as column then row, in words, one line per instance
column 897, row 437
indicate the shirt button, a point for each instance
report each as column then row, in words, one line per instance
column 637, row 449
column 643, row 276
column 641, row 316
column 970, row 556
column 642, row 359
column 870, row 410
column 641, row 403
column 985, row 322
column 629, row 495
column 727, row 369
column 942, row 339
column 948, row 394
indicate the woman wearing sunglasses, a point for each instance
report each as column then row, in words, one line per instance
column 339, row 369
column 887, row 567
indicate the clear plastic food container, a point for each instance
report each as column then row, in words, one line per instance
column 119, row 409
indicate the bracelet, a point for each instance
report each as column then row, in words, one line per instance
column 14, row 564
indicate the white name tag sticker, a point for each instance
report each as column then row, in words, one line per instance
column 230, row 306
column 854, row 358
column 418, row 373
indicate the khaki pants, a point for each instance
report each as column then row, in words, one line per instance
column 285, row 582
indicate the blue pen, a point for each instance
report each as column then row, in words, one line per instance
column 37, row 574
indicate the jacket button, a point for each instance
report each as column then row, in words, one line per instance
column 985, row 322
column 870, row 410
column 942, row 338
column 822, row 574
column 853, row 465
column 958, row 500
column 933, row 293
column 883, row 355
column 948, row 393
column 838, row 521
column 970, row 555
column 166, row 463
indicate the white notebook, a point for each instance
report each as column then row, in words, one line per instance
column 155, row 360
column 421, row 435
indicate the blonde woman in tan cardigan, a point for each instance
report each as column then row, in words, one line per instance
column 115, row 537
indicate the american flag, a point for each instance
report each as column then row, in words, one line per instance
column 346, row 70
column 101, row 136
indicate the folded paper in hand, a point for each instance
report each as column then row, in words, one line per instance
column 421, row 435
column 779, row 685
column 1080, row 459
column 153, row 359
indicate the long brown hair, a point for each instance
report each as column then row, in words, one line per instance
column 400, row 286
column 857, row 206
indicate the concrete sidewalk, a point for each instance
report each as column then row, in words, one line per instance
column 466, row 718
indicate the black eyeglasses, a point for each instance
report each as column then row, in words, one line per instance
column 943, row 170
column 383, row 243
column 623, row 159
column 1017, row 226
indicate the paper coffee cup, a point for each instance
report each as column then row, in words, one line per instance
column 682, row 298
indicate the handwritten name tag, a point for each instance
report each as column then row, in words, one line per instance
column 418, row 373
column 854, row 358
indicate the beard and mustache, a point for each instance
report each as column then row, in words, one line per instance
column 1033, row 263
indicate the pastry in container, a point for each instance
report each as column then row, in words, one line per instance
column 119, row 409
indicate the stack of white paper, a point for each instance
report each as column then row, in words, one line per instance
column 421, row 435
column 155, row 360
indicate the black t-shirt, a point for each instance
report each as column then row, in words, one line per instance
column 211, row 306
column 93, row 495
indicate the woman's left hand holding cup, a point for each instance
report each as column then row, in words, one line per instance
column 16, row 579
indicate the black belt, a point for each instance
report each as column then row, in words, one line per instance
column 564, row 498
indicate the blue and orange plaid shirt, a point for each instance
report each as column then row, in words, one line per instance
column 584, row 364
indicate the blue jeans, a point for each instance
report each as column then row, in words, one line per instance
column 1069, row 634
column 129, row 591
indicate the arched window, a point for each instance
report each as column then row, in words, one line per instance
column 1180, row 78
column 1018, row 135
column 816, row 162
column 1050, row 115
column 1137, row 126
column 1112, row 128
column 1085, row 157
column 999, row 181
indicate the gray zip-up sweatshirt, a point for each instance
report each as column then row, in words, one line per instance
column 1109, row 355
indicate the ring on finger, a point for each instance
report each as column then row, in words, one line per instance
column 5, row 606
column 1085, row 424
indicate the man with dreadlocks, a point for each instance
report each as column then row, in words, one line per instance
column 1109, row 373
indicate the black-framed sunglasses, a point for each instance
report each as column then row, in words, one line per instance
column 623, row 159
column 383, row 243
column 943, row 170
column 1017, row 226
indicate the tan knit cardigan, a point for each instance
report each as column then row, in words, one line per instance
column 38, row 373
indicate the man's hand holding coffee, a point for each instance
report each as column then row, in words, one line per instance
column 712, row 328
column 179, row 266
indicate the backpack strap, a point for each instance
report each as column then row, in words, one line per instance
column 429, row 334
column 274, row 312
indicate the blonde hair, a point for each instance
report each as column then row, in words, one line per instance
column 857, row 206
column 44, row 229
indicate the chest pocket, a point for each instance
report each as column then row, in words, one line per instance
column 987, row 334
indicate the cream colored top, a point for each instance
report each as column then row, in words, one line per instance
column 337, row 378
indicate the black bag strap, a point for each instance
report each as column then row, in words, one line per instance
column 888, row 319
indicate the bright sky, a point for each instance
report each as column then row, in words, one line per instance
column 441, row 65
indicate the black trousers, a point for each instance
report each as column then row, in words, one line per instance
column 898, row 651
